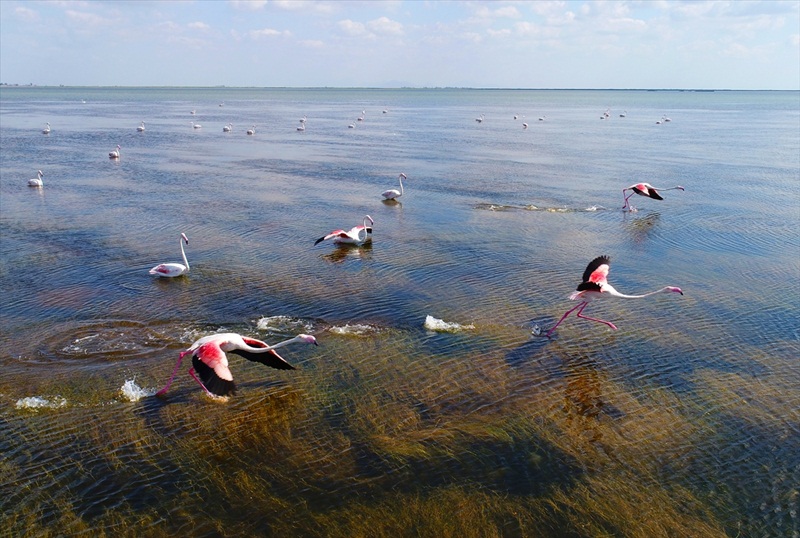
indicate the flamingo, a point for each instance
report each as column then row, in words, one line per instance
column 196, row 125
column 301, row 127
column 141, row 127
column 351, row 126
column 211, row 363
column 480, row 118
column 303, row 119
column 595, row 286
column 252, row 130
column 227, row 128
column 351, row 237
column 624, row 114
column 543, row 118
column 114, row 154
column 394, row 194
column 645, row 189
column 46, row 129
column 524, row 125
column 37, row 181
column 172, row 270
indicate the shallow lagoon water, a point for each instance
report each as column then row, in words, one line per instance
column 685, row 421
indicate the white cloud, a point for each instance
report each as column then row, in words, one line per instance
column 27, row 15
column 247, row 5
column 85, row 18
column 199, row 26
column 269, row 33
column 386, row 26
column 353, row 28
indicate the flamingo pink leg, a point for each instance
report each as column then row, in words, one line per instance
column 191, row 373
column 567, row 313
column 175, row 371
column 594, row 319
column 626, row 198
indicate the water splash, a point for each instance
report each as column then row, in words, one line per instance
column 37, row 402
column 133, row 392
column 438, row 325
column 356, row 329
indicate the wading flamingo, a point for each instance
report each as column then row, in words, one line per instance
column 37, row 181
column 210, row 362
column 393, row 194
column 196, row 126
column 252, row 130
column 595, row 286
column 352, row 237
column 645, row 189
column 171, row 270
column 228, row 128
column 46, row 129
column 114, row 154
column 480, row 118
column 141, row 127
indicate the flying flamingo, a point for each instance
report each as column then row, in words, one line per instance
column 140, row 128
column 351, row 237
column 394, row 194
column 211, row 363
column 46, row 129
column 595, row 286
column 37, row 181
column 645, row 189
column 172, row 270
column 114, row 154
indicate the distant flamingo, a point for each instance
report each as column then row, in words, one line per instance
column 46, row 129
column 595, row 286
column 171, row 270
column 543, row 118
column 252, row 130
column 393, row 194
column 37, row 181
column 352, row 236
column 196, row 126
column 524, row 125
column 228, row 128
column 114, row 154
column 480, row 118
column 210, row 362
column 645, row 189
column 301, row 127
column 141, row 127
column 624, row 114
column 303, row 119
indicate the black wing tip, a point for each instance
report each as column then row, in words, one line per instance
column 591, row 286
column 605, row 259
column 211, row 381
column 318, row 241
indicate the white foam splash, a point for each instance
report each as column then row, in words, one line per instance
column 354, row 330
column 433, row 324
column 134, row 392
column 37, row 402
column 281, row 322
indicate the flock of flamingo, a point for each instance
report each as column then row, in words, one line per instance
column 208, row 354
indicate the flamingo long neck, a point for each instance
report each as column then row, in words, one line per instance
column 614, row 293
column 270, row 348
column 183, row 253
column 401, row 185
column 669, row 189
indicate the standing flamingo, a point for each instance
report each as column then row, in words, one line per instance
column 480, row 118
column 645, row 189
column 228, row 128
column 351, row 237
column 252, row 130
column 37, row 181
column 595, row 286
column 172, row 270
column 140, row 128
column 46, row 129
column 196, row 126
column 211, row 363
column 114, row 154
column 394, row 194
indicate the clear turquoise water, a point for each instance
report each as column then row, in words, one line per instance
column 494, row 230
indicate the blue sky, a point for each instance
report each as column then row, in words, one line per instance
column 506, row 44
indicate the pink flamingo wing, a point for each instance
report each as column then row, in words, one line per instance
column 597, row 270
column 212, row 356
